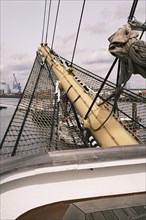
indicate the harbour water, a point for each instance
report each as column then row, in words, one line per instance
column 6, row 113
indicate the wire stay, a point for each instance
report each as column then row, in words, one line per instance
column 78, row 32
column 49, row 12
column 44, row 20
column 131, row 15
column 55, row 24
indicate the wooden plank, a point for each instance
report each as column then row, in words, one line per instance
column 130, row 212
column 112, row 202
column 77, row 156
column 140, row 210
column 121, row 215
column 109, row 215
column 74, row 213
column 98, row 216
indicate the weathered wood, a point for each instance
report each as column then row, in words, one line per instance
column 78, row 156
column 98, row 215
column 121, row 215
column 130, row 212
column 113, row 203
column 71, row 210
column 109, row 215
column 140, row 209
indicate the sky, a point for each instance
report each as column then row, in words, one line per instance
column 21, row 34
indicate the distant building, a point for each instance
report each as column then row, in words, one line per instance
column 4, row 88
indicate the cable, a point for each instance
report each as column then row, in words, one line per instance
column 79, row 125
column 118, row 73
column 132, row 10
column 55, row 23
column 44, row 20
column 97, row 129
column 142, row 32
column 27, row 111
column 78, row 32
column 108, row 74
column 48, row 22
column 102, row 85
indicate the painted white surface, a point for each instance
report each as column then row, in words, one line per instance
column 24, row 190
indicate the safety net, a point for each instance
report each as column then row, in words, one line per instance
column 44, row 121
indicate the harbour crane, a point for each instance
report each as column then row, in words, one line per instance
column 16, row 85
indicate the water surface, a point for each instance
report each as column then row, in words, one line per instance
column 6, row 114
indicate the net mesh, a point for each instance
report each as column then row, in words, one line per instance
column 131, row 108
column 43, row 122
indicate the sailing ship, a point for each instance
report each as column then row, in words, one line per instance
column 71, row 153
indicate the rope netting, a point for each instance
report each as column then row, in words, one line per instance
column 41, row 123
column 44, row 122
column 131, row 108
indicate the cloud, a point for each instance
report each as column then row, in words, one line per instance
column 64, row 41
column 18, row 64
column 100, row 57
column 63, row 45
column 99, row 28
column 122, row 12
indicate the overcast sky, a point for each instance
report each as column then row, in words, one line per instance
column 21, row 32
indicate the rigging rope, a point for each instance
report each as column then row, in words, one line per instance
column 55, row 24
column 27, row 112
column 132, row 10
column 131, row 15
column 142, row 31
column 44, row 20
column 78, row 32
column 15, row 110
column 48, row 21
column 102, row 85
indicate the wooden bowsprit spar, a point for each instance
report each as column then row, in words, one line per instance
column 111, row 133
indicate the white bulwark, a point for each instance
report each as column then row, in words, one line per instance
column 70, row 175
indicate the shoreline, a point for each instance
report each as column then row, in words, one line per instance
column 10, row 96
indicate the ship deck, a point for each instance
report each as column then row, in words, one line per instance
column 116, row 207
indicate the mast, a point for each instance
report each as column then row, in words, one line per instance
column 112, row 133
